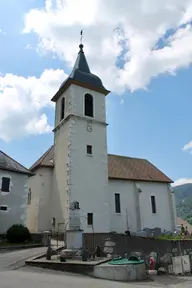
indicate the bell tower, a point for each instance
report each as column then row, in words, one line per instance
column 80, row 159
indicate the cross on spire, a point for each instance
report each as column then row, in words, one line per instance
column 81, row 38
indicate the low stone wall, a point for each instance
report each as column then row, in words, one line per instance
column 67, row 267
column 120, row 272
column 37, row 238
column 123, row 244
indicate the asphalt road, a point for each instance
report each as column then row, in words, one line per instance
column 15, row 259
column 14, row 273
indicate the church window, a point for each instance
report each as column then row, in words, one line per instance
column 89, row 149
column 117, row 203
column 62, row 109
column 153, row 204
column 53, row 221
column 3, row 208
column 5, row 184
column 29, row 197
column 88, row 105
column 89, row 219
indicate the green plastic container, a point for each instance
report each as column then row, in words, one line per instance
column 125, row 261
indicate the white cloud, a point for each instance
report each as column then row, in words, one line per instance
column 181, row 182
column 131, row 30
column 22, row 101
column 28, row 46
column 2, row 32
column 141, row 23
column 187, row 146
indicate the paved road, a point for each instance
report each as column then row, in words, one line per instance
column 13, row 273
column 14, row 259
column 38, row 278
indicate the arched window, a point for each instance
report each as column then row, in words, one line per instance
column 88, row 105
column 62, row 109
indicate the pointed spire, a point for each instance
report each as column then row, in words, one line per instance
column 81, row 75
column 81, row 62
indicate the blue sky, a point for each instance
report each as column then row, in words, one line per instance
column 152, row 123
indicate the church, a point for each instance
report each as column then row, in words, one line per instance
column 115, row 193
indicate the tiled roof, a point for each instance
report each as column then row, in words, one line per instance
column 119, row 167
column 9, row 164
column 46, row 160
column 127, row 168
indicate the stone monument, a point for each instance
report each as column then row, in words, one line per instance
column 74, row 231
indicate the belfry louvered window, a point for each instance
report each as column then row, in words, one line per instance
column 88, row 105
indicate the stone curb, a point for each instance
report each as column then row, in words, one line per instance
column 18, row 247
column 42, row 255
column 79, row 268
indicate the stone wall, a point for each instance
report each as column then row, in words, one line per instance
column 123, row 244
column 36, row 238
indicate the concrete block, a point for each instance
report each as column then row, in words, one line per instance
column 120, row 272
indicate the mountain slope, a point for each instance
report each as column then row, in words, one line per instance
column 183, row 197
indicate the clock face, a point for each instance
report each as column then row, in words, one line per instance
column 89, row 128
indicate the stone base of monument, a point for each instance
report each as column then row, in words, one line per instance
column 74, row 239
column 68, row 254
column 73, row 243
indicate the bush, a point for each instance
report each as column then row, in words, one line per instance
column 18, row 233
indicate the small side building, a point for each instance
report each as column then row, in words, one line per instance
column 13, row 192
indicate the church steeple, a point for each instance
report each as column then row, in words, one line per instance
column 81, row 76
column 80, row 149
column 81, row 62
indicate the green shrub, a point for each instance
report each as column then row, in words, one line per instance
column 18, row 233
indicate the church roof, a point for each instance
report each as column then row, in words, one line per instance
column 119, row 167
column 46, row 160
column 9, row 164
column 128, row 168
column 82, row 76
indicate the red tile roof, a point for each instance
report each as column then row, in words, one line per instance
column 119, row 167
column 128, row 168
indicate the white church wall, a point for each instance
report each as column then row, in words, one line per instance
column 87, row 180
column 162, row 217
column 40, row 209
column 45, row 208
column 126, row 189
column 59, row 201
column 34, row 183
column 58, row 106
column 13, row 204
column 127, row 202
column 74, row 103
column 89, row 177
column 78, row 103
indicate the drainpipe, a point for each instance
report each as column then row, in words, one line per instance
column 138, row 212
column 172, row 207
